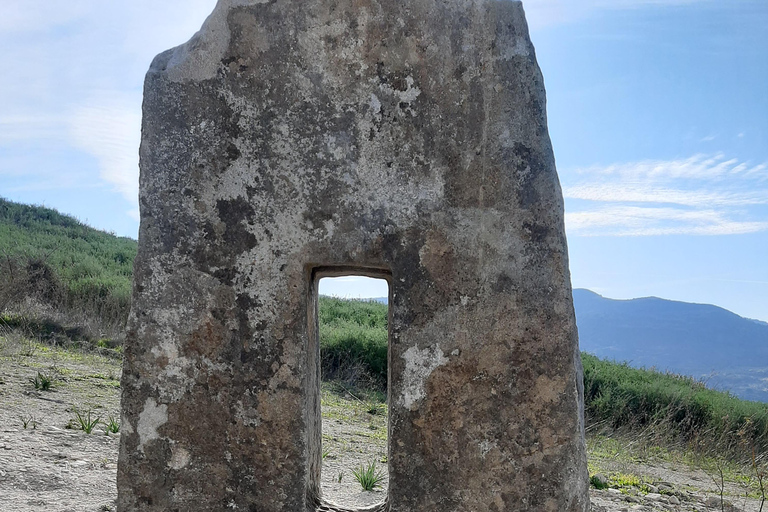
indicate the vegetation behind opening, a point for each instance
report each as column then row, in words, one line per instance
column 353, row 342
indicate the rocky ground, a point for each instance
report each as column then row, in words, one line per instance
column 47, row 463
column 674, row 489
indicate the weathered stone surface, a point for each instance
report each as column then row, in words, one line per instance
column 407, row 139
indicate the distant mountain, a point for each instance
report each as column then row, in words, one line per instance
column 708, row 342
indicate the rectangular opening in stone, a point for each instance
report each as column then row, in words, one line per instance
column 349, row 325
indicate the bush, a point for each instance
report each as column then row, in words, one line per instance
column 353, row 342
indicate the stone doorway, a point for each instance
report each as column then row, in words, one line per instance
column 352, row 388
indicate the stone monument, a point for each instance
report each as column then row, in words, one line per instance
column 405, row 139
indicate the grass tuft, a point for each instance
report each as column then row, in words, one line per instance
column 368, row 476
column 111, row 426
column 42, row 381
column 83, row 421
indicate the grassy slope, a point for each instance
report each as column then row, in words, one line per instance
column 353, row 341
column 59, row 277
column 684, row 409
column 84, row 258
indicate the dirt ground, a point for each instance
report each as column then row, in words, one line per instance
column 47, row 464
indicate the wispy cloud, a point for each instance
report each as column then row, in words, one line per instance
column 109, row 128
column 700, row 195
column 21, row 127
column 74, row 84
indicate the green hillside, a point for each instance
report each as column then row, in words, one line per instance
column 59, row 261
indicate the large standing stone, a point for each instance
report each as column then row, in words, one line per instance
column 401, row 138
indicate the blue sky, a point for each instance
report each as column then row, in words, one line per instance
column 658, row 113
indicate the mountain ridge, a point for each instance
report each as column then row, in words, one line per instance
column 705, row 341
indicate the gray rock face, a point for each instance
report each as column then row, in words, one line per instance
column 291, row 140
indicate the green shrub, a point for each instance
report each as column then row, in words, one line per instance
column 364, row 313
column 353, row 341
column 599, row 481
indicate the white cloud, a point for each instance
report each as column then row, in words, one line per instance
column 21, row 126
column 73, row 86
column 699, row 166
column 700, row 195
column 638, row 192
column 109, row 128
column 640, row 221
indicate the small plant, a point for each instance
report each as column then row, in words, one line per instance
column 340, row 476
column 27, row 421
column 368, row 477
column 599, row 481
column 620, row 480
column 326, row 453
column 42, row 381
column 375, row 409
column 83, row 421
column 112, row 426
column 716, row 472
